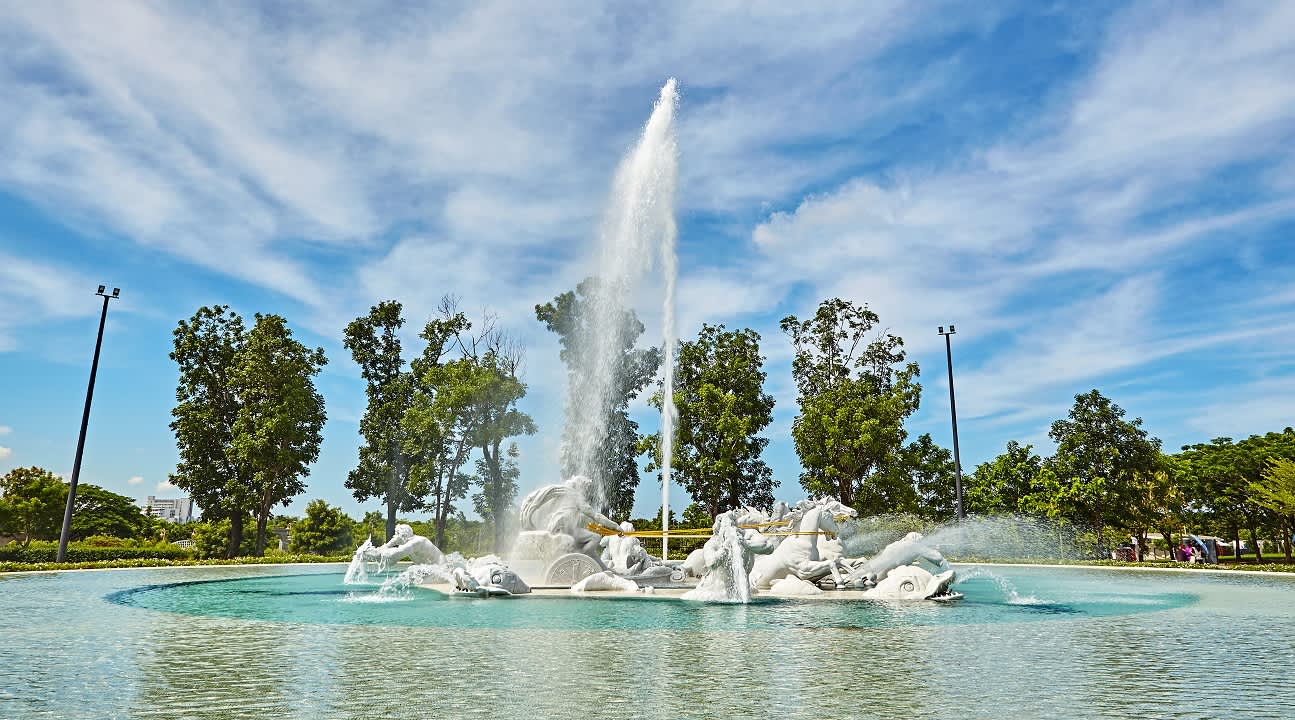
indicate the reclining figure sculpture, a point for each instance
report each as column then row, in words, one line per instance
column 404, row 544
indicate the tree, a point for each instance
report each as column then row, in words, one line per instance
column 721, row 404
column 599, row 439
column 207, row 406
column 100, row 512
column 325, row 530
column 1277, row 493
column 497, row 419
column 280, row 417
column 32, row 501
column 854, row 397
column 1098, row 461
column 929, row 468
column 384, row 465
column 498, row 483
column 1003, row 484
column 440, row 427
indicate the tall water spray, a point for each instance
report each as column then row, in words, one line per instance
column 639, row 227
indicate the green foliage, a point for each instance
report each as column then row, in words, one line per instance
column 324, row 531
column 100, row 512
column 1277, row 490
column 210, row 539
column 79, row 552
column 721, row 403
column 1100, row 457
column 498, row 483
column 854, row 397
column 1003, row 484
column 696, row 516
column 218, row 479
column 611, row 461
column 384, row 464
column 17, row 566
column 372, row 525
column 247, row 420
column 32, row 501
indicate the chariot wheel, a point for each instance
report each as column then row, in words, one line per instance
column 571, row 569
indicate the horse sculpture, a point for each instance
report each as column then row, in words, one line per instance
column 799, row 554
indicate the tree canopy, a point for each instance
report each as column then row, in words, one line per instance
column 722, row 407
column 855, row 394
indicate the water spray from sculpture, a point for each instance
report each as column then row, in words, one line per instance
column 638, row 228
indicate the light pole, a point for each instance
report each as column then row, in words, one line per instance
column 953, row 412
column 85, row 421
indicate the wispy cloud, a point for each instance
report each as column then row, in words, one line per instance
column 5, row 429
column 164, row 486
column 5, row 452
column 136, row 480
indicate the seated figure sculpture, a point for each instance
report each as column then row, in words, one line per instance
column 553, row 520
column 404, row 544
column 624, row 554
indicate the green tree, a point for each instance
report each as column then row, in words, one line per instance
column 1277, row 493
column 498, row 484
column 611, row 460
column 372, row 525
column 280, row 419
column 384, row 465
column 1003, row 484
column 1099, row 459
column 721, row 404
column 32, row 501
column 440, row 427
column 497, row 419
column 218, row 479
column 929, row 470
column 324, row 530
column 854, row 397
column 100, row 512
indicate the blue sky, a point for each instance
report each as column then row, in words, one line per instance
column 1097, row 196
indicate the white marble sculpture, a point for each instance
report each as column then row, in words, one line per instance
column 799, row 555
column 624, row 554
column 488, row 579
column 728, row 557
column 903, row 552
column 404, row 544
column 553, row 520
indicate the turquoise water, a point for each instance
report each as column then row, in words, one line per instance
column 294, row 642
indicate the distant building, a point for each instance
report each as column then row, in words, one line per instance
column 178, row 510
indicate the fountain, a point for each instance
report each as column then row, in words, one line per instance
column 565, row 542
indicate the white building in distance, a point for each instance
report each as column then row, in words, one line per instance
column 178, row 510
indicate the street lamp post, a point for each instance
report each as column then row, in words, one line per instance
column 85, row 421
column 953, row 412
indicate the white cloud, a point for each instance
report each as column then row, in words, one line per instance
column 164, row 486
column 5, row 429
column 136, row 480
column 5, row 452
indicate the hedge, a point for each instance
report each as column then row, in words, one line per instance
column 8, row 566
column 79, row 553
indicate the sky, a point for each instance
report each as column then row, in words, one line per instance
column 1098, row 195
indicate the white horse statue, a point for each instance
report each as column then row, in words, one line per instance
column 799, row 555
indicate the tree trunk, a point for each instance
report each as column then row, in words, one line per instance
column 1254, row 540
column 1286, row 536
column 1236, row 540
column 235, row 534
column 1169, row 541
column 262, row 516
column 391, row 519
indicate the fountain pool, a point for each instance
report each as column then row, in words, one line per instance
column 295, row 642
